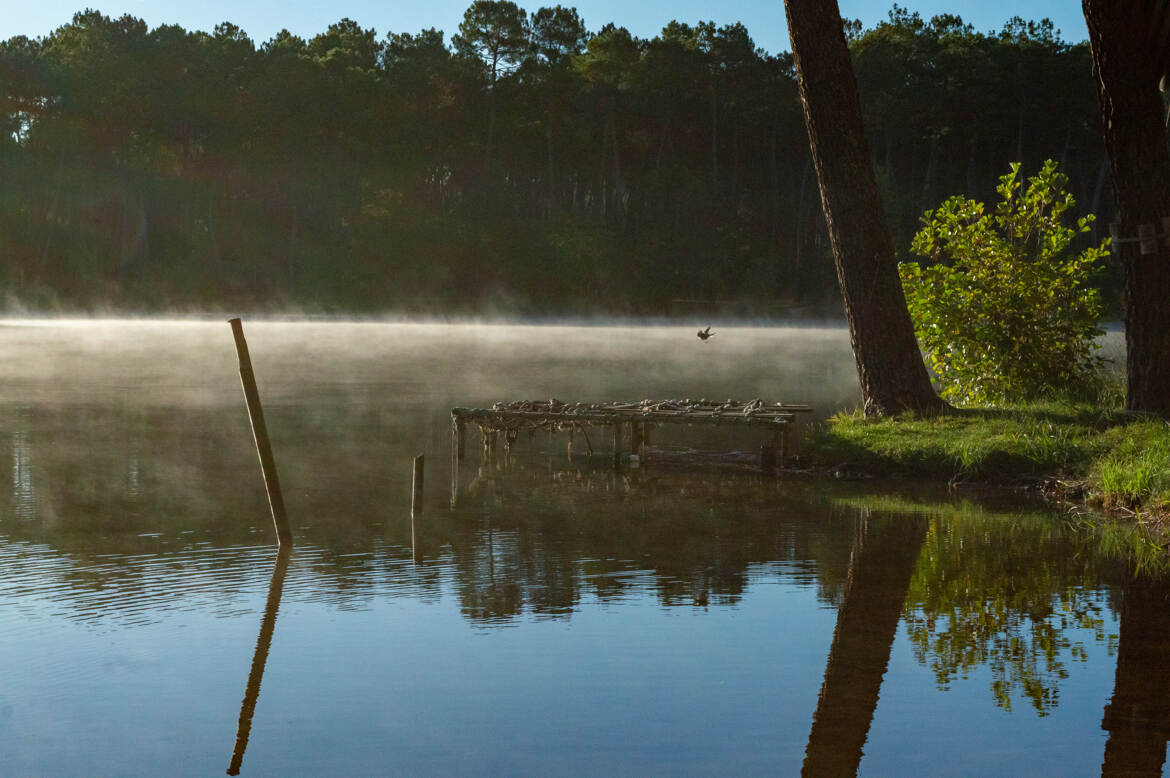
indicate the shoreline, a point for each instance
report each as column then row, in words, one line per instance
column 1082, row 456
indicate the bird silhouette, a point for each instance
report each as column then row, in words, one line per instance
column 704, row 334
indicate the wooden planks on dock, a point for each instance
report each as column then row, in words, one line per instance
column 507, row 419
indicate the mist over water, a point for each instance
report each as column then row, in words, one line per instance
column 562, row 619
column 164, row 362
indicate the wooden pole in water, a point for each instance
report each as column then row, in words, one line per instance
column 260, row 434
column 416, row 503
column 416, row 494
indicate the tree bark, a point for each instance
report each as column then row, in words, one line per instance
column 889, row 364
column 1128, row 60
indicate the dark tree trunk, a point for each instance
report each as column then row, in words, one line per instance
column 1126, row 56
column 889, row 365
column 714, row 140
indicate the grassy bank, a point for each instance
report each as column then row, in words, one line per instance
column 1105, row 457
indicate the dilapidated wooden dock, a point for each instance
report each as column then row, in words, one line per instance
column 506, row 421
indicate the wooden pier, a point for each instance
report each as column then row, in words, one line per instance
column 506, row 421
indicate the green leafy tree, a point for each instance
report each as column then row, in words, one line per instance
column 1008, row 311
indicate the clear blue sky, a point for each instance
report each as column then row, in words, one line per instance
column 262, row 19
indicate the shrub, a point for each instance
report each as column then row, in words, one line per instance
column 1007, row 312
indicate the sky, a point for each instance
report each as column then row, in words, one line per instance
column 262, row 19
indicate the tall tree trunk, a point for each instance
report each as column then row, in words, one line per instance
column 552, row 187
column 972, row 177
column 774, row 189
column 889, row 365
column 619, row 183
column 796, row 261
column 491, row 134
column 1124, row 41
column 714, row 140
column 924, row 201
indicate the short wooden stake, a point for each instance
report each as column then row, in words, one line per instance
column 260, row 434
column 636, row 437
column 455, row 465
column 617, row 445
column 416, row 494
column 768, row 458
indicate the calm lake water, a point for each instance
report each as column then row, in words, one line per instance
column 561, row 619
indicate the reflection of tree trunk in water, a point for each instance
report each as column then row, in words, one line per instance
column 880, row 566
column 1138, row 717
column 252, row 691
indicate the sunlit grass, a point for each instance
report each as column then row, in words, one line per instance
column 1136, row 471
column 1119, row 459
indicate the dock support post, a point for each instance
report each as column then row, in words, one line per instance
column 260, row 434
column 460, row 439
column 768, row 458
column 454, row 466
column 617, row 445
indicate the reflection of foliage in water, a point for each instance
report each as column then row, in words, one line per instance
column 1011, row 595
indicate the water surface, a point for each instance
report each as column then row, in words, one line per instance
column 561, row 619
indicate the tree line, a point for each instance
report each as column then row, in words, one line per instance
column 524, row 164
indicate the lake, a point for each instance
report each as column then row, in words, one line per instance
column 560, row 618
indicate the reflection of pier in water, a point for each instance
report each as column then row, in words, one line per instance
column 263, row 642
column 881, row 564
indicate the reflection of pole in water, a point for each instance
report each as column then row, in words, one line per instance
column 252, row 691
column 1137, row 718
column 880, row 567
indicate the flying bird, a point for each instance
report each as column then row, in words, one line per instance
column 704, row 334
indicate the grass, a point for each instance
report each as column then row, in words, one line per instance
column 1108, row 457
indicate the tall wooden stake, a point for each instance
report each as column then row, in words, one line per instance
column 260, row 433
column 416, row 494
